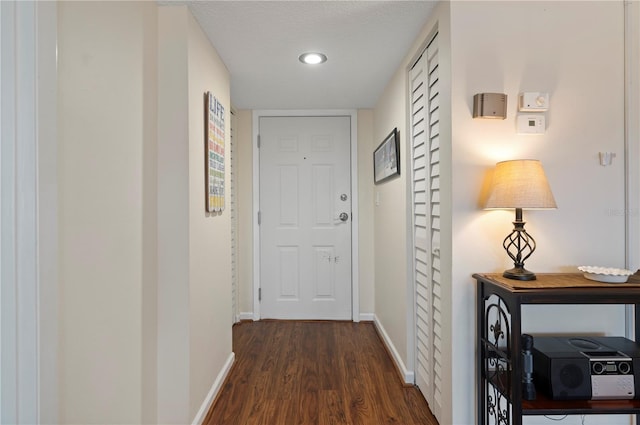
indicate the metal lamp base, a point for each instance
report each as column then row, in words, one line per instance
column 519, row 246
column 519, row 273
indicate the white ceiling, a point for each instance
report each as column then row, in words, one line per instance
column 260, row 41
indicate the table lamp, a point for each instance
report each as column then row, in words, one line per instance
column 519, row 184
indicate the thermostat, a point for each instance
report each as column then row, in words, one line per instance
column 531, row 124
column 533, row 102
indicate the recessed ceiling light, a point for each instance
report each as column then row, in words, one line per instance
column 312, row 58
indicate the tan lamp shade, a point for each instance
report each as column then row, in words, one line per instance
column 520, row 183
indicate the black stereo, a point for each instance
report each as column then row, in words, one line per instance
column 587, row 368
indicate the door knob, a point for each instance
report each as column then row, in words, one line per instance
column 344, row 216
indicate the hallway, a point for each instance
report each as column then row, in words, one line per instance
column 317, row 373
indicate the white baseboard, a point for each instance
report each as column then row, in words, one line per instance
column 213, row 392
column 407, row 375
column 367, row 317
column 246, row 315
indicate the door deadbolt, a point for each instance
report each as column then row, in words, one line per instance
column 343, row 197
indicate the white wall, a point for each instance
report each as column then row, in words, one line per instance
column 102, row 140
column 209, row 234
column 497, row 47
column 144, row 272
column 632, row 48
column 173, row 368
column 149, row 288
column 365, row 216
column 194, row 311
column 244, row 185
column 390, row 221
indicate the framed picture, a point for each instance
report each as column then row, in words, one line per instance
column 386, row 158
column 214, row 154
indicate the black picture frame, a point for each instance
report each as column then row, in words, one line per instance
column 386, row 158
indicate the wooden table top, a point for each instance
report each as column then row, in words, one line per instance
column 558, row 280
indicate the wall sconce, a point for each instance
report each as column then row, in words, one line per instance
column 490, row 105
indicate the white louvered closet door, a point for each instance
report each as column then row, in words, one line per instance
column 426, row 225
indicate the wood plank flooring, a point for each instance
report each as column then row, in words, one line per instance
column 314, row 373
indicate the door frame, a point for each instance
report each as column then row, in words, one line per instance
column 353, row 115
column 631, row 147
column 29, row 204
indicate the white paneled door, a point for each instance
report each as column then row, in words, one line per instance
column 305, row 217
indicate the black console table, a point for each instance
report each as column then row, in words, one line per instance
column 499, row 362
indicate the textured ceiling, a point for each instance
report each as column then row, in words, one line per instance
column 260, row 41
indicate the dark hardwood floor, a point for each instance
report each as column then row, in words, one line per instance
column 314, row 373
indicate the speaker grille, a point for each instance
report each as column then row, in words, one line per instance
column 570, row 379
column 571, row 376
